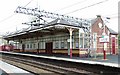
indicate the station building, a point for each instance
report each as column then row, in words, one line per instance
column 54, row 38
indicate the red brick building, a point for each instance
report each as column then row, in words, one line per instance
column 98, row 28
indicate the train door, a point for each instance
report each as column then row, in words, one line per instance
column 113, row 45
column 49, row 47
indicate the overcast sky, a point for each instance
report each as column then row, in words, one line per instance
column 10, row 21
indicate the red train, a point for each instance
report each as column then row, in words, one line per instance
column 6, row 48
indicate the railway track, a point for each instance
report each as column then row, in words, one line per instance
column 37, row 67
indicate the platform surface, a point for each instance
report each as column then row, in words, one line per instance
column 112, row 60
column 3, row 72
column 10, row 69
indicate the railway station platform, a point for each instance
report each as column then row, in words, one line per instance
column 3, row 72
column 7, row 69
column 111, row 60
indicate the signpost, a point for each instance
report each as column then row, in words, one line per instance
column 104, row 39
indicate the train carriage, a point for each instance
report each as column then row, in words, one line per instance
column 7, row 47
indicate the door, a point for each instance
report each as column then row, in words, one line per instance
column 49, row 47
column 23, row 47
column 113, row 45
column 38, row 47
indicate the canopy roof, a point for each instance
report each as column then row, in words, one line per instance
column 56, row 26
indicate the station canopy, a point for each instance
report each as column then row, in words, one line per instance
column 54, row 27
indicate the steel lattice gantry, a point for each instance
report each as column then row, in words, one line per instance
column 78, row 22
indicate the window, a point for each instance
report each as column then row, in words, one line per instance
column 86, row 42
column 33, row 45
column 27, row 45
column 81, row 42
column 62, row 44
column 43, row 45
column 77, row 44
column 56, row 45
column 30, row 45
column 40, row 45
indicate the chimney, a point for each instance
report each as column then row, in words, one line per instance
column 98, row 16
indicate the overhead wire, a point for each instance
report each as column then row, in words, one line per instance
column 14, row 13
column 7, row 18
column 62, row 8
column 86, row 7
column 28, row 3
column 80, row 8
column 113, row 16
column 69, row 6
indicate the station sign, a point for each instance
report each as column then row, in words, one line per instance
column 104, row 39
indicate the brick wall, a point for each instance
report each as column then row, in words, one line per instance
column 99, row 31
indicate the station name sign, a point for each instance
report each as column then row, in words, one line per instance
column 104, row 39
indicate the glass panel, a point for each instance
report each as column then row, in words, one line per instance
column 81, row 34
column 39, row 45
column 62, row 44
column 43, row 45
column 85, row 35
column 27, row 45
column 57, row 45
column 85, row 43
column 81, row 42
column 34, row 46
column 77, row 45
column 31, row 45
